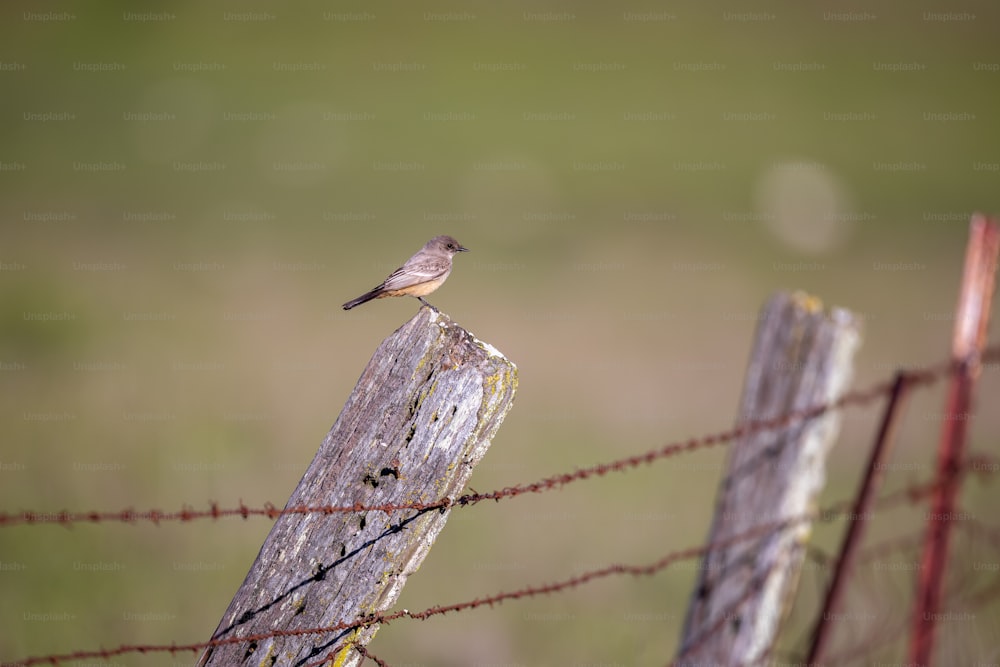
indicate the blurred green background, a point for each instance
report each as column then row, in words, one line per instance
column 189, row 191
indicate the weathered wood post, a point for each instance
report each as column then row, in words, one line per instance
column 801, row 358
column 419, row 419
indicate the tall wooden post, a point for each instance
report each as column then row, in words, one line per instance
column 802, row 357
column 419, row 419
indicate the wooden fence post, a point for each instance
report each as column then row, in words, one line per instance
column 419, row 419
column 802, row 358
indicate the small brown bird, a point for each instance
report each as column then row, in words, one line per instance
column 422, row 274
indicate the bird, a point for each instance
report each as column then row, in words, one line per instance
column 419, row 276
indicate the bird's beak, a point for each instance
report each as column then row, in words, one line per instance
column 462, row 249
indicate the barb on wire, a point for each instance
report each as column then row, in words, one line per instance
column 907, row 495
column 364, row 652
column 214, row 511
column 854, row 398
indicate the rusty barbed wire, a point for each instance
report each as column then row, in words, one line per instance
column 881, row 636
column 907, row 495
column 364, row 653
column 911, row 494
column 915, row 378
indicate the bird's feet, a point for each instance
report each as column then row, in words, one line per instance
column 428, row 305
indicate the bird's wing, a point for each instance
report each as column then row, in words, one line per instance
column 414, row 274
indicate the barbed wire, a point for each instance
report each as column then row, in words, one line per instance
column 879, row 636
column 910, row 494
column 366, row 654
column 861, row 397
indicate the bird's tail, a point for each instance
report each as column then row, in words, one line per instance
column 364, row 298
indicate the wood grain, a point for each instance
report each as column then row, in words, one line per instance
column 420, row 418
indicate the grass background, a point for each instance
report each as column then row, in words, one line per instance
column 189, row 191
